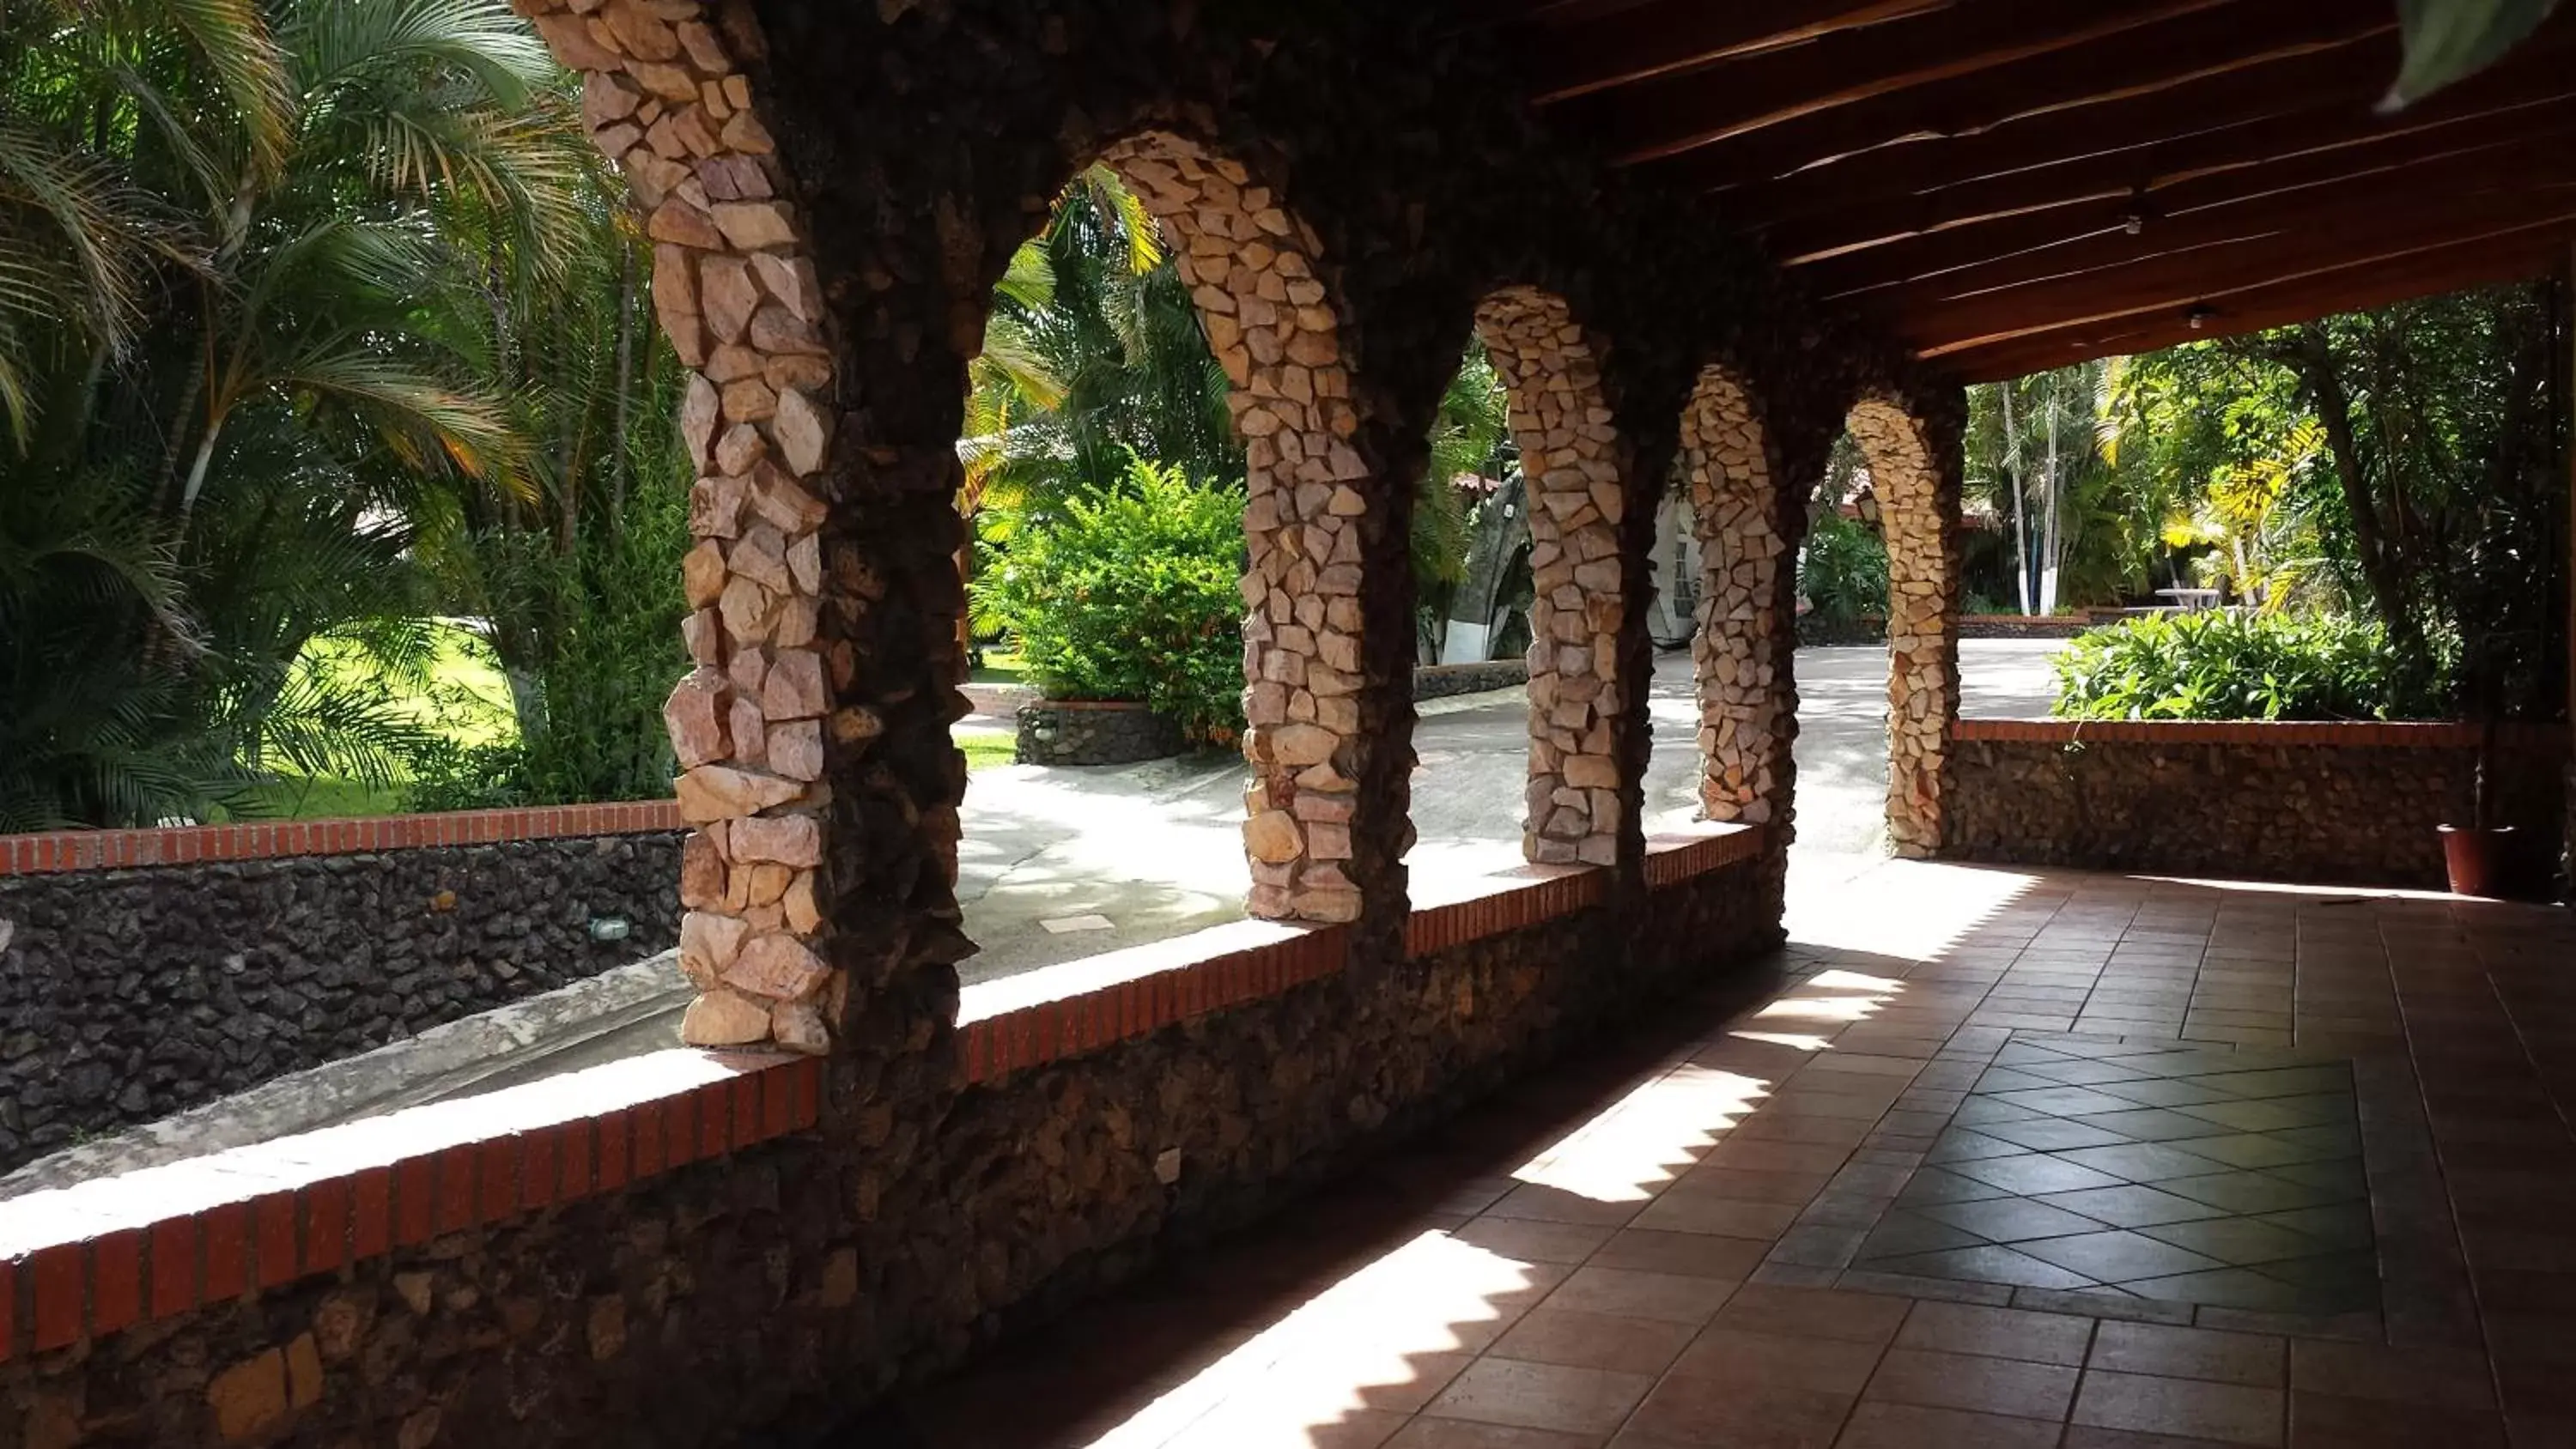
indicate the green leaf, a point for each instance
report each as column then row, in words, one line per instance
column 2450, row 40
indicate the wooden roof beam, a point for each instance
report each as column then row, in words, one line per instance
column 2461, row 116
column 1673, row 35
column 1677, row 113
column 2500, row 148
column 1937, row 324
column 2061, row 91
column 2486, row 262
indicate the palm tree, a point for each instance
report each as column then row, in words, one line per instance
column 252, row 254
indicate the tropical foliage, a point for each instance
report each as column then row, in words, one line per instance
column 1132, row 593
column 2226, row 665
column 1842, row 570
column 287, row 291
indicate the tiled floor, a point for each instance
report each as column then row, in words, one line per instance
column 1994, row 1158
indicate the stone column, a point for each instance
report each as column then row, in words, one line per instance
column 1917, row 482
column 755, row 722
column 1740, row 664
column 1571, row 464
column 1250, row 267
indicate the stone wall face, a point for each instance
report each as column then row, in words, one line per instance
column 1571, row 465
column 1251, row 270
column 2332, row 815
column 767, row 1296
column 1918, row 489
column 1747, row 704
column 1074, row 732
column 128, row 995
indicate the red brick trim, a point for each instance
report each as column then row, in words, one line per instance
column 104, row 1255
column 1676, row 855
column 2263, row 734
column 101, row 1256
column 77, row 850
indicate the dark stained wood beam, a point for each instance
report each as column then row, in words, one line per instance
column 2534, row 95
column 2060, row 90
column 1677, row 113
column 2388, row 230
column 2326, row 84
column 1674, row 35
column 2497, row 149
column 2487, row 262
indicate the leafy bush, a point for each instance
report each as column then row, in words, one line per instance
column 1843, row 568
column 1133, row 595
column 2228, row 665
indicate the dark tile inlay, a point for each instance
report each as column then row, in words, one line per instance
column 2223, row 1179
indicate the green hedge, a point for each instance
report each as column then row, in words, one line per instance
column 1133, row 595
column 2243, row 666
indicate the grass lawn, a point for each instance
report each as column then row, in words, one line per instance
column 999, row 667
column 465, row 698
column 985, row 749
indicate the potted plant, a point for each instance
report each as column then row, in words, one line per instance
column 2486, row 858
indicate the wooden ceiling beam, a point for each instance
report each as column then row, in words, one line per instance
column 2457, row 117
column 2496, row 149
column 2061, row 91
column 1673, row 35
column 1680, row 112
column 2387, row 232
column 2487, row 262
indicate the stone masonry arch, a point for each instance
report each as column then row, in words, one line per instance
column 1918, row 496
column 755, row 722
column 1572, row 466
column 1745, row 702
column 1250, row 267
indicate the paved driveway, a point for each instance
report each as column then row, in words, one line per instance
column 1059, row 863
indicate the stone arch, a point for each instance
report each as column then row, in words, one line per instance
column 1916, row 500
column 1572, row 467
column 755, row 723
column 1252, row 269
column 1738, row 650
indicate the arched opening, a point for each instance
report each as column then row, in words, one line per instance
column 1571, row 472
column 1922, row 616
column 1738, row 660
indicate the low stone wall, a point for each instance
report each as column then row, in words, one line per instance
column 1872, row 629
column 129, row 994
column 1093, row 732
column 2323, row 803
column 575, row 1284
column 1439, row 681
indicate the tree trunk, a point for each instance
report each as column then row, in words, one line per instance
column 2049, row 540
column 2379, row 567
column 2021, row 527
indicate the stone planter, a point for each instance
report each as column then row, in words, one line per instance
column 1094, row 732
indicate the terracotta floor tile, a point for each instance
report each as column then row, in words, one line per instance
column 2087, row 1436
column 1984, row 1385
column 2053, row 1338
column 2189, row 1353
column 1594, row 1340
column 2231, row 1413
column 1541, row 1396
column 2327, row 1421
column 1755, row 1360
column 2436, row 1378
column 1533, row 1240
column 1910, row 1426
column 1628, row 1293
column 1698, row 1255
column 1704, row 1211
column 1556, row 1205
column 1467, row 1434
column 1697, row 1413
column 1814, row 1313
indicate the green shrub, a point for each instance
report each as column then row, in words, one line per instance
column 1134, row 594
column 1843, row 569
column 2229, row 665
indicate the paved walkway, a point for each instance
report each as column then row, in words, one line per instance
column 1984, row 1157
column 1058, row 864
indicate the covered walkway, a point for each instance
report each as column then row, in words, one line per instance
column 1988, row 1158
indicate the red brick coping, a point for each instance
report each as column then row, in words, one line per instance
column 2418, row 735
column 104, row 1255
column 73, row 850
